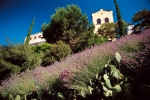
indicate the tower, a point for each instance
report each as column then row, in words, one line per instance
column 100, row 17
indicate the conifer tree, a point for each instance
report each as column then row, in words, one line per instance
column 69, row 25
column 29, row 32
column 120, row 22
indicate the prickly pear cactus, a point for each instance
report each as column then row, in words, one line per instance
column 10, row 97
column 18, row 97
column 110, row 84
column 118, row 57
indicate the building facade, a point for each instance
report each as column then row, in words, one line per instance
column 36, row 38
column 100, row 17
column 130, row 29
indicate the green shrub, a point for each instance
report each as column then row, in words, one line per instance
column 16, row 59
column 96, row 40
column 56, row 53
column 40, row 49
column 132, row 47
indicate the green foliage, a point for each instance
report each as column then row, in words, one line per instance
column 118, row 57
column 109, row 84
column 10, row 97
column 56, row 53
column 108, row 30
column 132, row 47
column 120, row 21
column 29, row 32
column 124, row 26
column 18, row 97
column 69, row 25
column 141, row 20
column 95, row 39
column 16, row 59
column 82, row 76
column 41, row 49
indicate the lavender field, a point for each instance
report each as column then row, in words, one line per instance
column 80, row 67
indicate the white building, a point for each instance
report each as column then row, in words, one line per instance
column 36, row 38
column 100, row 17
column 130, row 29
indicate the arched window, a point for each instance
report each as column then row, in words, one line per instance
column 98, row 21
column 106, row 20
column 39, row 36
column 35, row 37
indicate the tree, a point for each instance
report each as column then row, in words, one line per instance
column 108, row 30
column 120, row 21
column 16, row 59
column 95, row 39
column 69, row 25
column 41, row 49
column 141, row 20
column 29, row 33
column 58, row 51
column 125, row 27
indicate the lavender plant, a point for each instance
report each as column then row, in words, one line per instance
column 85, row 63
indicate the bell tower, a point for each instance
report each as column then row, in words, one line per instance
column 100, row 17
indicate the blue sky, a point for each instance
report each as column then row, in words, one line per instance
column 17, row 15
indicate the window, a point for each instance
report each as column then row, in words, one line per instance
column 30, row 38
column 106, row 20
column 98, row 21
column 35, row 37
column 39, row 36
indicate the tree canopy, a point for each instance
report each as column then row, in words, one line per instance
column 16, row 59
column 141, row 20
column 58, row 51
column 69, row 25
column 109, row 30
column 120, row 21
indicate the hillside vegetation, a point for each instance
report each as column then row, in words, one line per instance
column 77, row 64
column 82, row 66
